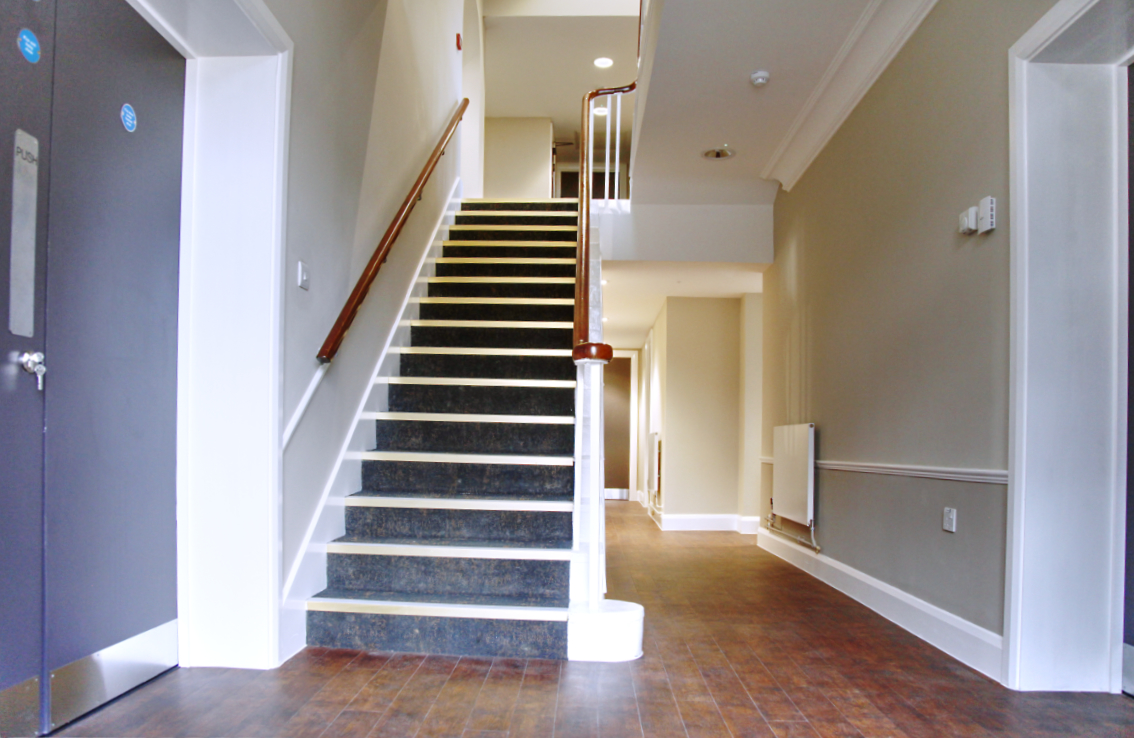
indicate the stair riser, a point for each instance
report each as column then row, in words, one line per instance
column 535, row 219
column 488, row 233
column 504, row 526
column 544, row 583
column 496, row 479
column 506, row 270
column 487, row 367
column 568, row 251
column 501, row 289
column 565, row 205
column 476, row 438
column 416, row 398
column 459, row 311
column 456, row 636
column 543, row 338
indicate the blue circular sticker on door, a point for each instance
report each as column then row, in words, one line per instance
column 29, row 45
column 129, row 118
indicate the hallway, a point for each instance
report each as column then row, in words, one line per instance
column 737, row 643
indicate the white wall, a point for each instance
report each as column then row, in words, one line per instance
column 517, row 158
column 472, row 80
column 724, row 233
column 414, row 93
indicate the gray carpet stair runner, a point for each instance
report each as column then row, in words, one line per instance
column 458, row 542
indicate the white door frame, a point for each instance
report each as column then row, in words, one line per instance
column 1067, row 424
column 230, row 326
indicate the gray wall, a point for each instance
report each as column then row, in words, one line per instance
column 888, row 329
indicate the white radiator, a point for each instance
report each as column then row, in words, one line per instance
column 793, row 478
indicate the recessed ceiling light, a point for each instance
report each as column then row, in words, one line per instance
column 604, row 281
column 605, row 319
column 723, row 152
column 600, row 111
column 604, row 62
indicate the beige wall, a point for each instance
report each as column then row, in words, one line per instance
column 517, row 158
column 889, row 330
column 701, row 401
column 751, row 402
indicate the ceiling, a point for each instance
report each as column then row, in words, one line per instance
column 541, row 66
column 699, row 94
column 636, row 290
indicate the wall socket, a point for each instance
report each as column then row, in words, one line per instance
column 949, row 520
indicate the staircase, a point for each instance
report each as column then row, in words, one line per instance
column 460, row 540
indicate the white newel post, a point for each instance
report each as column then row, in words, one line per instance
column 598, row 629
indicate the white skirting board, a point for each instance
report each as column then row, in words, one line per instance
column 738, row 523
column 612, row 632
column 968, row 643
column 1128, row 668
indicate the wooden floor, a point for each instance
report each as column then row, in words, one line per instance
column 737, row 643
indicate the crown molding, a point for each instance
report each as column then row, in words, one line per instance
column 880, row 33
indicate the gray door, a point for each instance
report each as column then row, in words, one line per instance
column 110, row 449
column 26, row 43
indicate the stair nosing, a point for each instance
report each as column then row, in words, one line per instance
column 430, row 457
column 494, row 300
column 470, row 418
column 523, row 261
column 508, row 243
column 499, row 280
column 480, row 382
column 480, row 351
column 439, row 609
column 519, row 213
column 530, row 324
column 448, row 503
column 435, row 551
column 509, row 227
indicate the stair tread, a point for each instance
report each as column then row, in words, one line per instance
column 461, row 543
column 441, row 598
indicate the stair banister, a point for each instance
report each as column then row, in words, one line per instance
column 354, row 302
column 584, row 348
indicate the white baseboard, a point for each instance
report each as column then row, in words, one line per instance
column 737, row 523
column 968, row 643
column 614, row 493
column 1127, row 668
column 748, row 524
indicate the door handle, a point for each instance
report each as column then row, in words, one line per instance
column 33, row 364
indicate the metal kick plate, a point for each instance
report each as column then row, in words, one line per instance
column 83, row 685
column 19, row 709
column 21, row 276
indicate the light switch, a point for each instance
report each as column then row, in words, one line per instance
column 968, row 221
column 949, row 520
column 302, row 277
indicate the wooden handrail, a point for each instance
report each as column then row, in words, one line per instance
column 354, row 302
column 583, row 348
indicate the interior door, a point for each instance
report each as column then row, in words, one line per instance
column 27, row 31
column 110, row 441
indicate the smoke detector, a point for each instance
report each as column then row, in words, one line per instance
column 760, row 78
